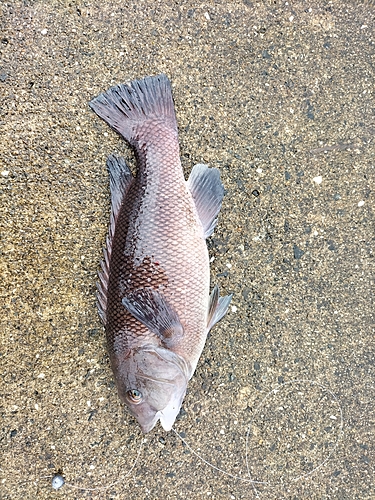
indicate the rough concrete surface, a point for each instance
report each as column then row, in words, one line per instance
column 280, row 97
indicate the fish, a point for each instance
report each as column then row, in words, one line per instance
column 153, row 292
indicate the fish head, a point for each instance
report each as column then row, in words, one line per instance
column 152, row 383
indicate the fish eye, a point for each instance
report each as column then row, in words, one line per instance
column 135, row 396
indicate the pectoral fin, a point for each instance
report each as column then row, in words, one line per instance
column 151, row 308
column 217, row 308
column 207, row 191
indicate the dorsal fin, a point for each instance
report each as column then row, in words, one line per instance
column 120, row 179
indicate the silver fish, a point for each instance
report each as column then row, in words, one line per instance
column 153, row 293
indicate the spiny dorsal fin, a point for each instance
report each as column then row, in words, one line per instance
column 207, row 190
column 120, row 179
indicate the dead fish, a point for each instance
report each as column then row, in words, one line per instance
column 153, row 292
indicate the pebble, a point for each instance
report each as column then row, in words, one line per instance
column 57, row 482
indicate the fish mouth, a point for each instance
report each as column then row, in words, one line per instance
column 168, row 415
column 149, row 426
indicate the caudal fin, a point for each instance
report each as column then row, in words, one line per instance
column 126, row 108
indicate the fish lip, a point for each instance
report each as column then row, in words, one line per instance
column 147, row 428
column 167, row 421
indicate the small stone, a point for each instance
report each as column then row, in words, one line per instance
column 318, row 179
column 361, row 203
column 44, row 32
column 57, row 482
column 297, row 252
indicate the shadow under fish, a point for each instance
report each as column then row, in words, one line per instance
column 153, row 290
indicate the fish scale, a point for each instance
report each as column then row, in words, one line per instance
column 153, row 292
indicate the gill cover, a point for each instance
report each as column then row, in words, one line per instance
column 161, row 377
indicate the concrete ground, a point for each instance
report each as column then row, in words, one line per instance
column 280, row 97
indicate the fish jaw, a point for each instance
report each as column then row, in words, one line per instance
column 160, row 376
column 168, row 415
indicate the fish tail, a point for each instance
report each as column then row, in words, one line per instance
column 127, row 107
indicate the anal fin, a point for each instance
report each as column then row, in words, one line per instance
column 207, row 191
column 217, row 308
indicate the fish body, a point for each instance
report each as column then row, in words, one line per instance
column 153, row 292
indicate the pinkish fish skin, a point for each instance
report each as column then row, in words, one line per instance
column 153, row 293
